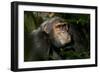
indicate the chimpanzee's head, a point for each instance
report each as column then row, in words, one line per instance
column 57, row 30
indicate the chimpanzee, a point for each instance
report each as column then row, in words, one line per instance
column 52, row 35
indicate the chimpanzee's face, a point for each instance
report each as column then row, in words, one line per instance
column 60, row 33
column 57, row 29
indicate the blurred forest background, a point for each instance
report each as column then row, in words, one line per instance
column 32, row 20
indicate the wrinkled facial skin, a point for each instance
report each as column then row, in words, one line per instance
column 60, row 34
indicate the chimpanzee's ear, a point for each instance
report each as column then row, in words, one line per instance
column 46, row 27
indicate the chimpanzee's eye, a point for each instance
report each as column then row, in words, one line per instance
column 58, row 26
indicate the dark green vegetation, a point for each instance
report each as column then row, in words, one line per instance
column 32, row 20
